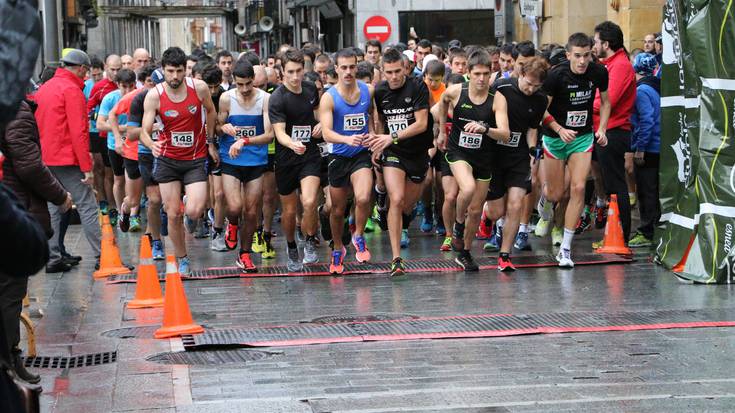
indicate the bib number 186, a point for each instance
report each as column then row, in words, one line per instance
column 470, row 140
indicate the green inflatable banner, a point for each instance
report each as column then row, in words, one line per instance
column 697, row 178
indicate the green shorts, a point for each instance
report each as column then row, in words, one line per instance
column 555, row 148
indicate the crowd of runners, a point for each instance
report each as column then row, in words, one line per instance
column 468, row 141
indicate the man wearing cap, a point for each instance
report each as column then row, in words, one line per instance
column 64, row 130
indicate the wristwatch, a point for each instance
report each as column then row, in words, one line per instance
column 394, row 136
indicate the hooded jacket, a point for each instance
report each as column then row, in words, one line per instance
column 646, row 118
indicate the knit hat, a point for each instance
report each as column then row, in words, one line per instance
column 645, row 64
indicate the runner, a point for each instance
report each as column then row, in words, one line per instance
column 568, row 149
column 106, row 85
column 345, row 117
column 297, row 162
column 243, row 116
column 267, row 206
column 402, row 148
column 479, row 116
column 181, row 150
column 145, row 165
column 443, row 172
column 511, row 167
column 125, row 80
column 129, row 150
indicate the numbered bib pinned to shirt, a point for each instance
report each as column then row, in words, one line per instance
column 470, row 140
column 354, row 122
column 301, row 134
column 515, row 138
column 397, row 125
column 245, row 132
column 324, row 149
column 577, row 118
column 182, row 139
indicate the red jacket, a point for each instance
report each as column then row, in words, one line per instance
column 62, row 121
column 621, row 91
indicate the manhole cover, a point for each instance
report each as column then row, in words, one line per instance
column 209, row 357
column 62, row 362
column 132, row 332
column 341, row 319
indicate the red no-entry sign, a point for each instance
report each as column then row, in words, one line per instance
column 377, row 27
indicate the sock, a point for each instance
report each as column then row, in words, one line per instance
column 406, row 221
column 523, row 228
column 291, row 244
column 458, row 230
column 266, row 236
column 380, row 198
column 218, row 230
column 504, row 255
column 499, row 223
column 600, row 203
column 243, row 250
column 546, row 209
column 566, row 242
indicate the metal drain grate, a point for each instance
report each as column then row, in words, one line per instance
column 412, row 266
column 334, row 319
column 210, row 357
column 132, row 332
column 465, row 326
column 62, row 362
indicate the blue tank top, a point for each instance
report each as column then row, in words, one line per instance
column 249, row 124
column 350, row 120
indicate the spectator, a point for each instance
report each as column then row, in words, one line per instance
column 646, row 121
column 621, row 91
column 34, row 186
column 423, row 48
column 64, row 132
column 649, row 43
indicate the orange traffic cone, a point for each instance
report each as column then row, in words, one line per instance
column 613, row 243
column 110, row 262
column 147, row 289
column 176, row 314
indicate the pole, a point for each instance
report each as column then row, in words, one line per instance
column 51, row 45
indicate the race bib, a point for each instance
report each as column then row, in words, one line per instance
column 301, row 134
column 354, row 122
column 470, row 140
column 182, row 139
column 576, row 118
column 397, row 125
column 324, row 149
column 515, row 138
column 245, row 132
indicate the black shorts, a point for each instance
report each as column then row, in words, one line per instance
column 481, row 171
column 145, row 165
column 96, row 143
column 414, row 166
column 244, row 174
column 289, row 176
column 271, row 167
column 131, row 167
column 167, row 170
column 212, row 168
column 324, row 171
column 341, row 168
column 514, row 172
column 116, row 163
